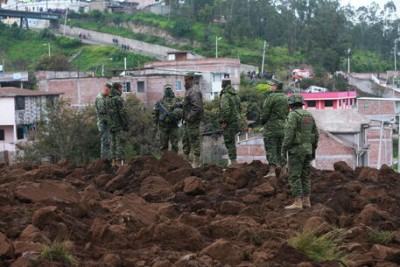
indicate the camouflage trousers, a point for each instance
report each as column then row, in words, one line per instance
column 191, row 138
column 273, row 148
column 169, row 135
column 118, row 144
column 105, row 139
column 229, row 138
column 299, row 174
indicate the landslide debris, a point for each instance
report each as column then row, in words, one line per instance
column 163, row 213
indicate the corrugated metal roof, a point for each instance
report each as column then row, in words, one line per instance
column 13, row 91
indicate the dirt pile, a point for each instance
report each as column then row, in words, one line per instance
column 163, row 213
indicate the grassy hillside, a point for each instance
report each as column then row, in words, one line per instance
column 249, row 51
column 23, row 50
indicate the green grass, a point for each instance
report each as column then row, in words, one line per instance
column 380, row 236
column 23, row 50
column 58, row 253
column 318, row 248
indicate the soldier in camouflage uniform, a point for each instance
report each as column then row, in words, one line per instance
column 118, row 123
column 300, row 141
column 230, row 110
column 193, row 113
column 273, row 115
column 102, row 121
column 167, row 120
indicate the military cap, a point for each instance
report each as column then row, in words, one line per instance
column 109, row 85
column 296, row 99
column 167, row 86
column 189, row 74
column 116, row 85
column 276, row 82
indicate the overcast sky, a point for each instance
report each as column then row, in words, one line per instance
column 358, row 3
column 381, row 3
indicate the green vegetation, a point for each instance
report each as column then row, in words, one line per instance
column 380, row 236
column 325, row 247
column 317, row 33
column 29, row 50
column 72, row 134
column 321, row 34
column 58, row 253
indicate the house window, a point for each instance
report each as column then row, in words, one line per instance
column 311, row 103
column 328, row 103
column 140, row 87
column 20, row 133
column 366, row 104
column 19, row 103
column 178, row 85
column 126, row 87
column 2, row 136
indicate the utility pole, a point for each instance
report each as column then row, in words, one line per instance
column 65, row 21
column 216, row 45
column 395, row 52
column 263, row 58
column 348, row 60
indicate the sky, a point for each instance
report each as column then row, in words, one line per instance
column 358, row 3
column 381, row 3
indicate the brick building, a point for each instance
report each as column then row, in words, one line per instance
column 361, row 136
column 147, row 83
column 330, row 100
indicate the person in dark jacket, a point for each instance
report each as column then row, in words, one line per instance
column 300, row 142
column 193, row 113
column 230, row 110
column 118, row 123
column 273, row 115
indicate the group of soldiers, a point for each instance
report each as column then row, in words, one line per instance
column 112, row 122
column 290, row 133
column 290, row 141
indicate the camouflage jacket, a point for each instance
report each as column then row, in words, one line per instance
column 274, row 113
column 162, row 119
column 193, row 104
column 230, row 107
column 100, row 105
column 301, row 133
column 116, row 112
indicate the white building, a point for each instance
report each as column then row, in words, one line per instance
column 20, row 110
column 45, row 5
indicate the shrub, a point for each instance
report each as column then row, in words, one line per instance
column 380, row 236
column 57, row 252
column 319, row 248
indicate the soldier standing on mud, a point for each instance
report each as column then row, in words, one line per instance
column 118, row 123
column 167, row 115
column 273, row 115
column 300, row 141
column 230, row 110
column 193, row 113
column 101, row 111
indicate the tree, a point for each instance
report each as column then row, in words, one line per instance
column 64, row 133
column 54, row 63
column 141, row 141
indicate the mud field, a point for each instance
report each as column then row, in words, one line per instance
column 163, row 213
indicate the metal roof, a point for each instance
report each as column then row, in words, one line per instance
column 13, row 91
